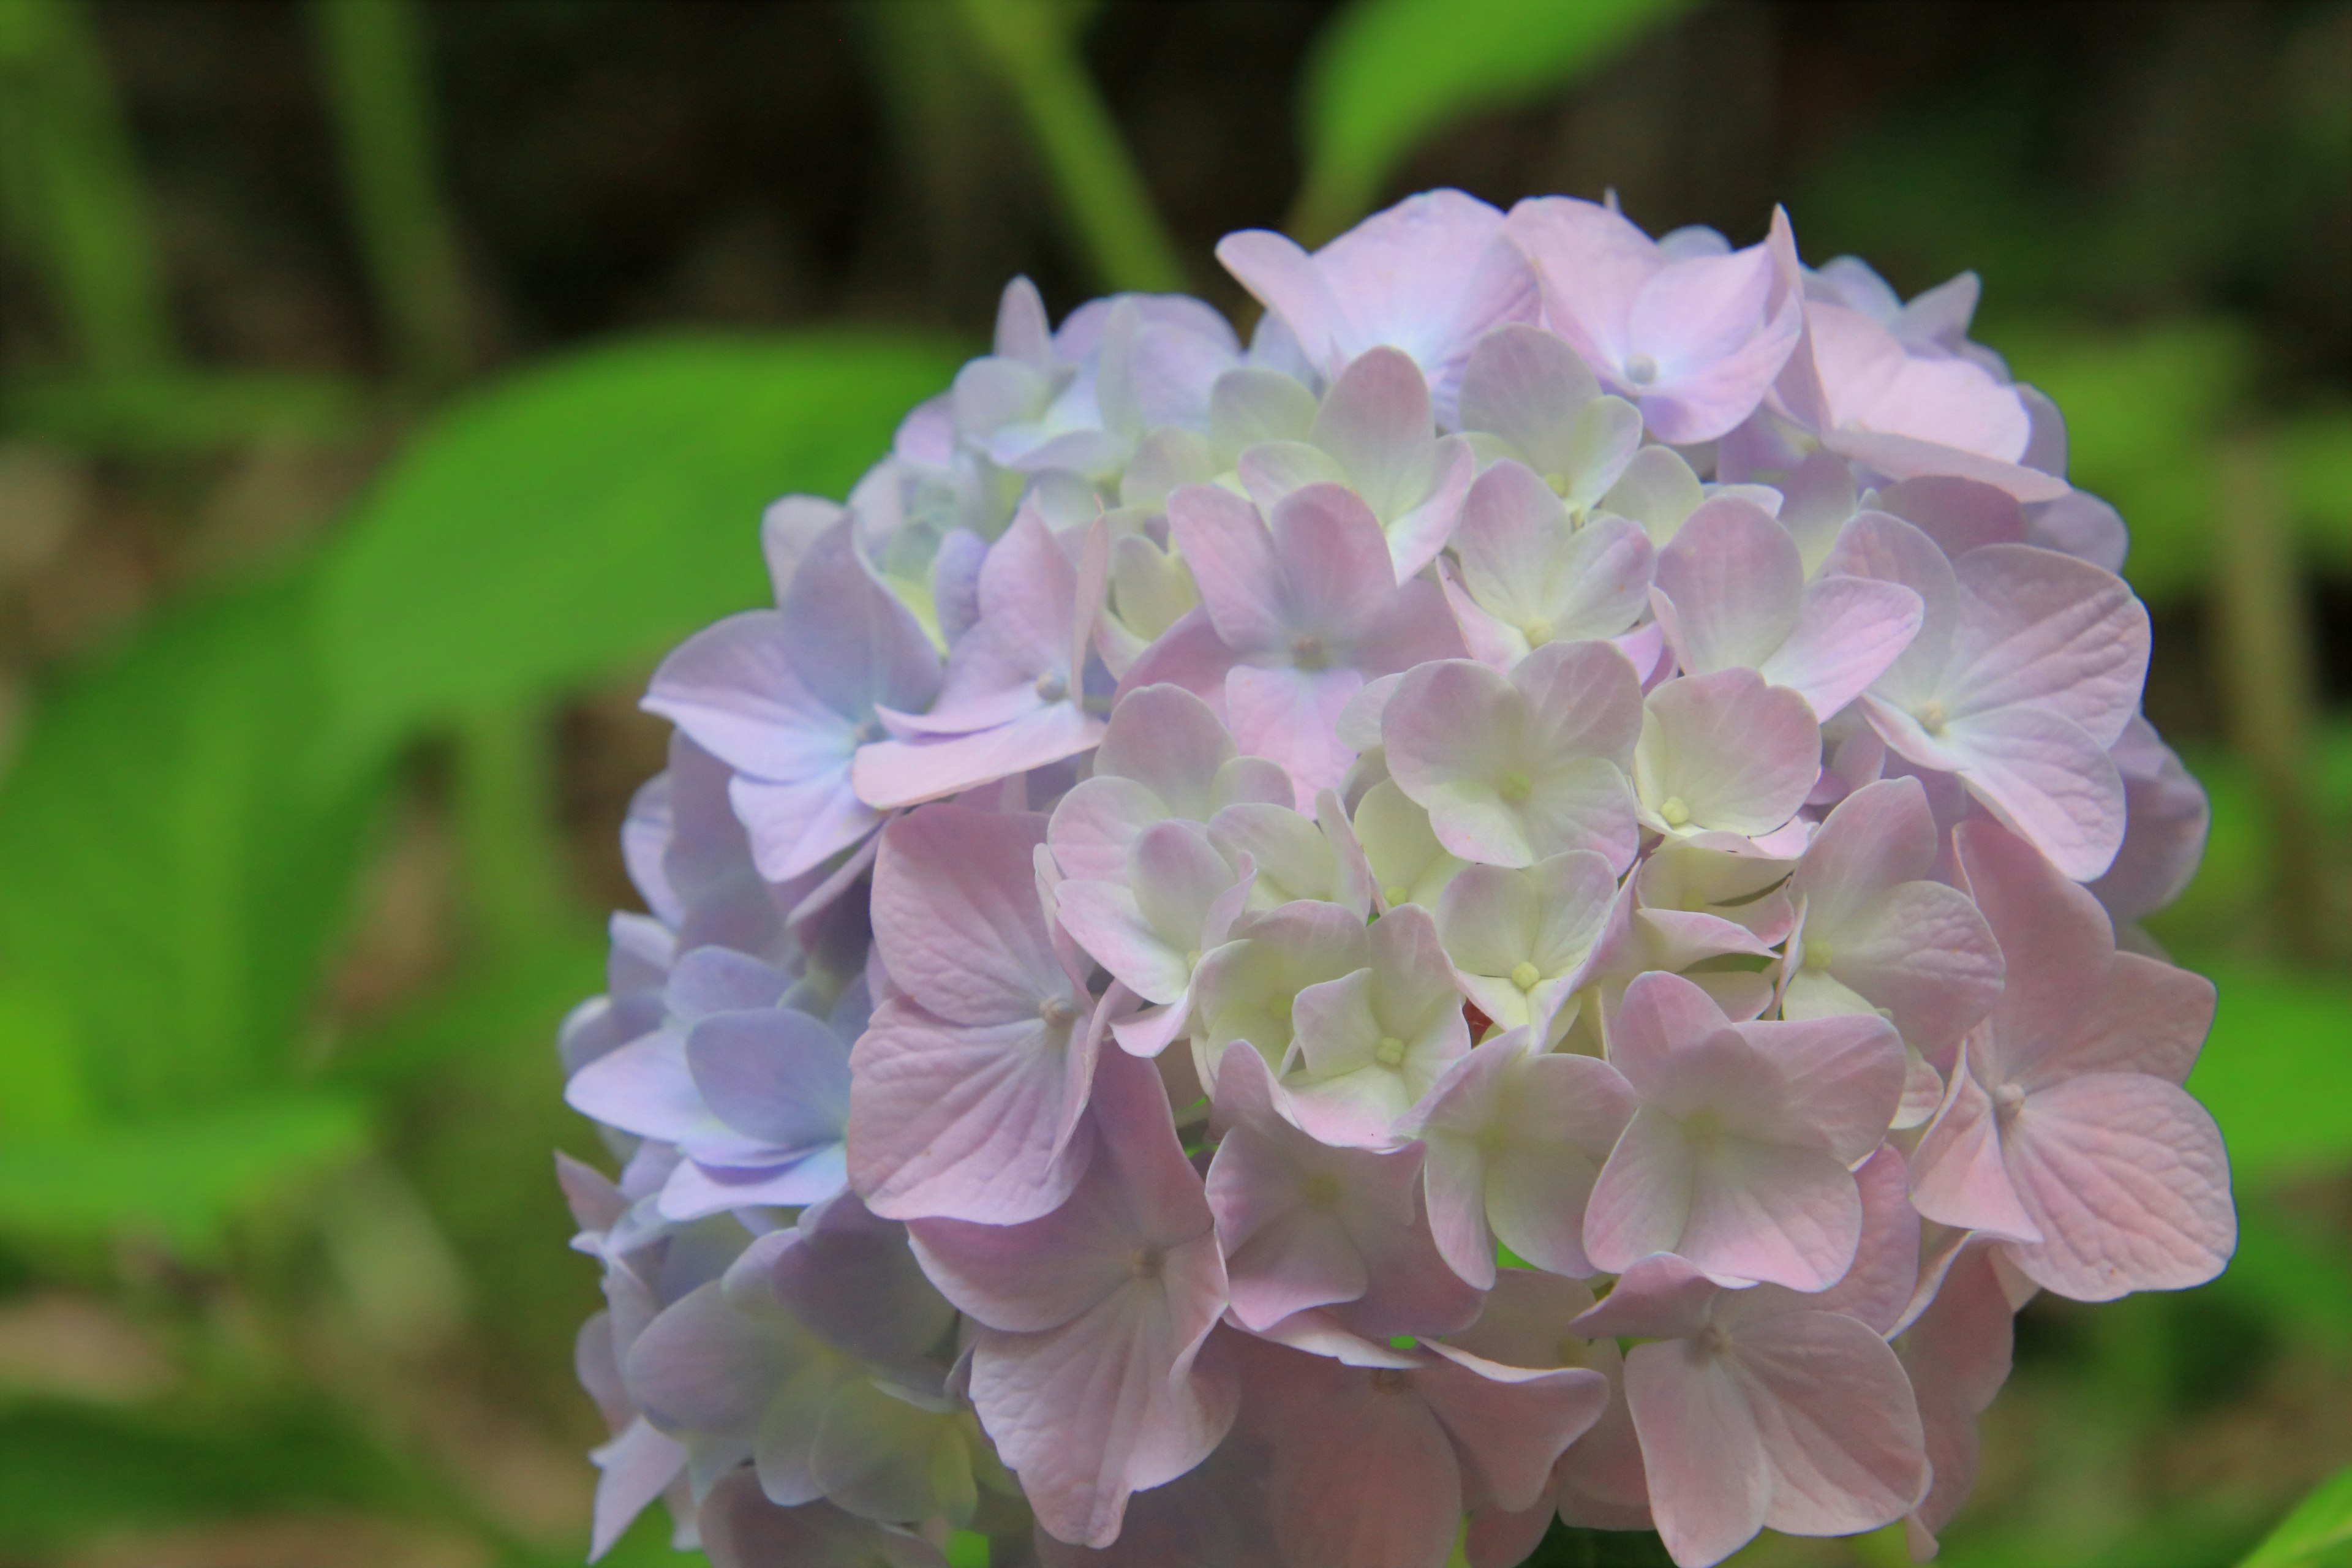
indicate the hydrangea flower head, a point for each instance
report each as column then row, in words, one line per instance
column 1254, row 918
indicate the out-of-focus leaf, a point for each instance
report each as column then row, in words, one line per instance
column 2319, row 1523
column 2143, row 416
column 2223, row 903
column 40, row 1065
column 2292, row 1275
column 520, row 1000
column 2316, row 461
column 1386, row 73
column 155, row 413
column 1565, row 1547
column 180, row 1174
column 70, row 1471
column 588, row 513
column 168, row 875
column 2276, row 1072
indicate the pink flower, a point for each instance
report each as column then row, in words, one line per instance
column 1767, row 1406
column 2066, row 1130
column 1307, row 1225
column 1295, row 618
column 1429, row 276
column 1518, row 768
column 1694, row 340
column 1374, row 1466
column 1087, row 1368
column 2027, row 667
column 1015, row 697
column 1740, row 1154
column 966, row 1092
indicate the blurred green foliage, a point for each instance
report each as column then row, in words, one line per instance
column 329, row 1215
column 585, row 515
column 1386, row 74
column 2318, row 1533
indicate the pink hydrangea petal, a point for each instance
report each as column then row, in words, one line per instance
column 1593, row 265
column 1736, row 582
column 2127, row 1180
column 956, row 915
column 1741, row 755
column 1508, row 1423
column 1170, row 742
column 1958, row 1354
column 1907, row 457
column 1231, row 555
column 1376, row 421
column 963, row 1122
column 635, row 1468
column 1849, row 631
column 1958, row 1175
column 1836, row 1420
column 2039, row 627
column 1292, row 715
column 1710, row 1480
column 1572, row 1109
column 2043, row 776
column 1111, row 1404
column 1526, row 386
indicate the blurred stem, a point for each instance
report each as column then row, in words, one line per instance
column 504, row 802
column 373, row 52
column 1102, row 192
column 2266, row 678
column 69, row 184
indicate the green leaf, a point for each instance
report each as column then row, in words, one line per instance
column 585, row 515
column 2321, row 1521
column 2275, row 1073
column 69, row 1472
column 521, row 1000
column 1386, row 74
column 181, row 1175
column 41, row 1088
column 158, row 413
column 168, row 878
column 2316, row 458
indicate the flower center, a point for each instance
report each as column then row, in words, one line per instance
column 1320, row 1191
column 2007, row 1101
column 1395, row 896
column 1146, row 1263
column 1389, row 1052
column 1932, row 717
column 1514, row 788
column 1674, row 811
column 1641, row 369
column 1308, row 652
column 1052, row 687
column 1058, row 1012
column 1537, row 632
column 1817, row 956
column 1526, row 975
column 1388, row 1380
column 1279, row 1008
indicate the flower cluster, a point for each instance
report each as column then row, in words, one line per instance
column 1517, row 899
